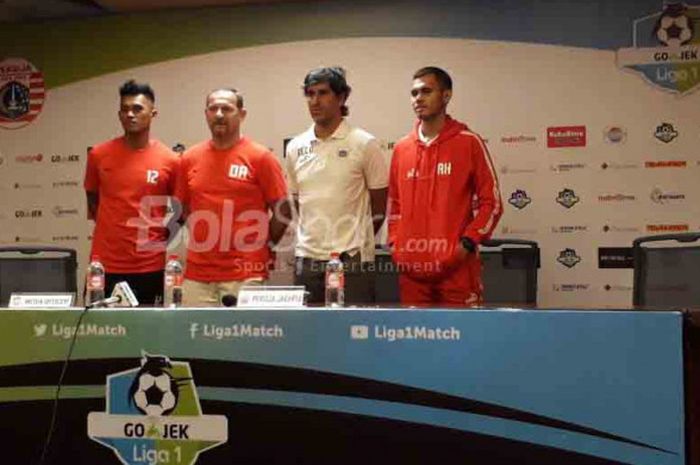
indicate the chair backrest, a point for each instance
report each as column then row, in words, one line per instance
column 667, row 270
column 36, row 269
column 386, row 279
column 509, row 271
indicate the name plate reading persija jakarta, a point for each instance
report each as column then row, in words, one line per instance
column 271, row 297
column 41, row 300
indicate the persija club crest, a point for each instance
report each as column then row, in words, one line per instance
column 22, row 93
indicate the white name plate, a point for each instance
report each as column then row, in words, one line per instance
column 271, row 297
column 41, row 300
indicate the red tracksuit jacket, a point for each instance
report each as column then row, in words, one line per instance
column 438, row 194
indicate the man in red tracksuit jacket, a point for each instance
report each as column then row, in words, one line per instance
column 443, row 200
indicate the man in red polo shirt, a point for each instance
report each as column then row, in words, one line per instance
column 127, row 181
column 234, row 197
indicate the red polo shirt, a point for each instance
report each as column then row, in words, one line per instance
column 227, row 194
column 129, row 235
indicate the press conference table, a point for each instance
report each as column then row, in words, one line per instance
column 320, row 386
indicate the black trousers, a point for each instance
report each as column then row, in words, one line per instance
column 148, row 287
column 359, row 279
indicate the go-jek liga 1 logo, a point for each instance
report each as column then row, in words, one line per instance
column 665, row 49
column 153, row 416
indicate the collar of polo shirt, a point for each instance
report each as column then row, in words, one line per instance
column 341, row 132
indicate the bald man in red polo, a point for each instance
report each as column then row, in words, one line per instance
column 234, row 195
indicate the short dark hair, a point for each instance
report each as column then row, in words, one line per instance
column 132, row 87
column 235, row 92
column 440, row 74
column 335, row 77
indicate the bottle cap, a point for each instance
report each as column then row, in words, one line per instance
column 335, row 254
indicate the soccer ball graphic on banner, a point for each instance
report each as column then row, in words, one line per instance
column 674, row 28
column 153, row 415
column 154, row 391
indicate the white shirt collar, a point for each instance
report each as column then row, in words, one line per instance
column 341, row 132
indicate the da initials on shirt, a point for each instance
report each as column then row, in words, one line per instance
column 238, row 171
column 444, row 169
column 152, row 176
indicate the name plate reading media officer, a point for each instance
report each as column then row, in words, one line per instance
column 39, row 300
column 271, row 297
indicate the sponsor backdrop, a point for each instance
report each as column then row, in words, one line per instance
column 588, row 110
column 172, row 388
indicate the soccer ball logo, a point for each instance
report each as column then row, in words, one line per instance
column 567, row 198
column 154, row 391
column 674, row 28
column 568, row 258
column 519, row 199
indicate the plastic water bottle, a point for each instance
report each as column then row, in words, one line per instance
column 172, row 286
column 335, row 282
column 95, row 281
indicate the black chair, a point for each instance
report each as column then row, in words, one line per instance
column 667, row 270
column 36, row 269
column 509, row 271
column 386, row 278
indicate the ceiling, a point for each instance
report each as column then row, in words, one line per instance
column 31, row 10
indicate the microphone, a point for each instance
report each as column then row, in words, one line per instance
column 122, row 296
column 229, row 300
column 106, row 302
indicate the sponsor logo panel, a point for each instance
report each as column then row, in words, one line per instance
column 520, row 139
column 618, row 166
column 616, row 228
column 65, row 158
column 517, row 231
column 567, row 167
column 519, row 199
column 617, row 288
column 569, row 229
column 667, row 227
column 29, row 213
column 570, row 287
column 615, row 257
column 26, row 186
column 153, row 415
column 666, row 164
column 64, row 184
column 665, row 132
column 617, row 197
column 62, row 212
column 567, row 198
column 507, row 169
column 665, row 48
column 615, row 135
column 29, row 158
column 566, row 136
column 568, row 257
column 661, row 197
